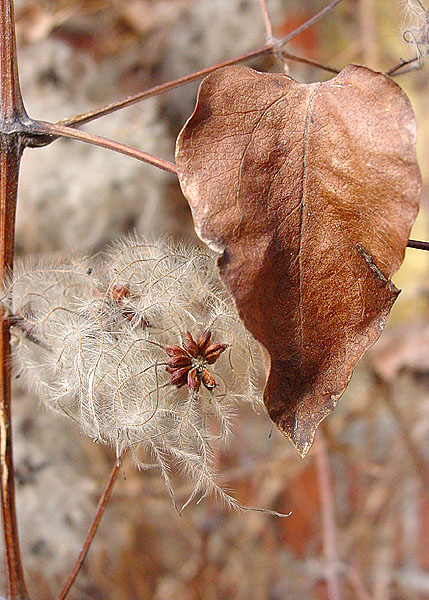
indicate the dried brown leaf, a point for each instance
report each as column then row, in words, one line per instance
column 309, row 191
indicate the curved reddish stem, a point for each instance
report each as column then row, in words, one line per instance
column 92, row 530
column 45, row 128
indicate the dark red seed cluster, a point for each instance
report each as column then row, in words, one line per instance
column 119, row 295
column 188, row 363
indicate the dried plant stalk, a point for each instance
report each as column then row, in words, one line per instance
column 11, row 147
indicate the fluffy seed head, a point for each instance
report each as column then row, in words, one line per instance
column 143, row 348
column 416, row 26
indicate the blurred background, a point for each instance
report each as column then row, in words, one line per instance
column 360, row 499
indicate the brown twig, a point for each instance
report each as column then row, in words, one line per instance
column 368, row 34
column 327, row 501
column 306, row 61
column 418, row 245
column 92, row 530
column 87, row 117
column 267, row 21
column 65, row 127
column 417, row 458
column 317, row 17
column 25, row 328
column 395, row 70
column 12, row 113
column 273, row 46
column 358, row 585
column 45, row 128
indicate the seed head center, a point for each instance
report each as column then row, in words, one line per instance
column 199, row 363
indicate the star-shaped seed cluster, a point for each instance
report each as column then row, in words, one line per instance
column 188, row 363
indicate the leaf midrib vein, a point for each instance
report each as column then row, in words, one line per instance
column 302, row 220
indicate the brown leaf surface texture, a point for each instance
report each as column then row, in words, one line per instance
column 309, row 192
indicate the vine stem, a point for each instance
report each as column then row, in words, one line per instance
column 92, row 530
column 87, row 117
column 45, row 128
column 267, row 20
column 417, row 458
column 9, row 164
column 418, row 245
column 396, row 69
column 272, row 46
column 12, row 143
column 328, row 518
column 64, row 128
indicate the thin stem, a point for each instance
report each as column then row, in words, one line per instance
column 92, row 530
column 25, row 328
column 357, row 583
column 272, row 46
column 418, row 245
column 159, row 89
column 306, row 61
column 416, row 456
column 402, row 63
column 267, row 21
column 11, row 147
column 368, row 34
column 46, row 128
column 317, row 17
column 11, row 104
column 412, row 67
column 10, row 154
column 87, row 117
column 327, row 501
